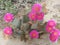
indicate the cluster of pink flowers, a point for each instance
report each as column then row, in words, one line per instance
column 54, row 33
column 36, row 12
column 50, row 26
column 34, row 34
column 8, row 17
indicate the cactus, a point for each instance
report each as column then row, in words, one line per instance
column 25, row 19
column 16, row 23
column 1, row 4
column 13, row 10
column 26, row 27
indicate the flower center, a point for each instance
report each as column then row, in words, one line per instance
column 8, row 17
column 55, row 33
column 34, row 35
column 32, row 16
column 8, row 31
column 39, row 16
column 36, row 8
column 49, row 28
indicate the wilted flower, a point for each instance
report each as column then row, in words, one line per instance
column 8, row 17
column 34, row 34
column 37, row 7
column 8, row 31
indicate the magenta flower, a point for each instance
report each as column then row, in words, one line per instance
column 32, row 16
column 51, row 23
column 54, row 36
column 34, row 34
column 49, row 28
column 8, row 31
column 8, row 17
column 37, row 7
column 59, row 32
column 40, row 16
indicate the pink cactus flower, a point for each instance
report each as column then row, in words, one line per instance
column 37, row 7
column 40, row 16
column 32, row 16
column 8, row 17
column 59, row 33
column 34, row 34
column 54, row 36
column 49, row 28
column 51, row 23
column 8, row 31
